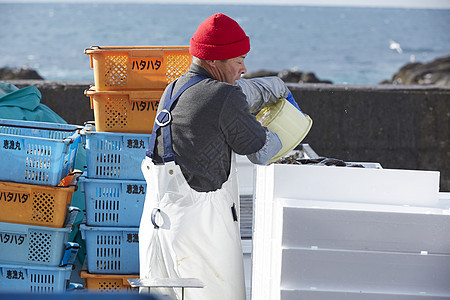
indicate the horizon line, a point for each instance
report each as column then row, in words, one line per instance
column 408, row 4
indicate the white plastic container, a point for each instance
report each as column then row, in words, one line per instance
column 290, row 124
column 345, row 232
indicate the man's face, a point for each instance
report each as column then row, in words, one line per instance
column 230, row 70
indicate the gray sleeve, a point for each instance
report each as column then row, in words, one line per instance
column 242, row 132
column 270, row 148
column 262, row 91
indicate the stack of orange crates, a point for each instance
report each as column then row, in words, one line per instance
column 129, row 82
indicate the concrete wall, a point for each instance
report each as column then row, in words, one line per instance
column 403, row 127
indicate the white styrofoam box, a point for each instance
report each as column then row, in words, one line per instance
column 366, row 271
column 247, row 253
column 332, row 295
column 266, row 255
column 444, row 196
column 362, row 226
column 444, row 199
column 283, row 224
column 245, row 169
column 366, row 187
column 348, row 184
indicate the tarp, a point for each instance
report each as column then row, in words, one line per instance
column 25, row 104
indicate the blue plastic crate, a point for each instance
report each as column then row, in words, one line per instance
column 35, row 279
column 111, row 202
column 111, row 155
column 111, row 250
column 37, row 152
column 35, row 245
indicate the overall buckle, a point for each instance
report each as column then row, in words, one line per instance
column 160, row 119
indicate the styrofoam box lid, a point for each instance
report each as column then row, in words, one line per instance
column 348, row 184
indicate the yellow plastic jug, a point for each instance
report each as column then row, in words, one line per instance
column 290, row 124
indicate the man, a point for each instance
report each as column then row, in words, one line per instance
column 189, row 226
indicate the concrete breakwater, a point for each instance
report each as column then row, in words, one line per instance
column 401, row 127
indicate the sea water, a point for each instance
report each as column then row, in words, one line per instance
column 346, row 45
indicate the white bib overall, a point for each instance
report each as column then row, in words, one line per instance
column 188, row 234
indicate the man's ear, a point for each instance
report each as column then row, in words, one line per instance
column 211, row 63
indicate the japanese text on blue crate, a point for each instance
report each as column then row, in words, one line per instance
column 146, row 64
column 132, row 238
column 135, row 143
column 135, row 189
column 14, row 274
column 14, row 197
column 11, row 145
column 145, row 105
column 6, row 238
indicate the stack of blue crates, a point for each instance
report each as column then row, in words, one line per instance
column 36, row 218
column 114, row 189
column 129, row 82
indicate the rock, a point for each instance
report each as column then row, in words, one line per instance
column 309, row 77
column 291, row 76
column 300, row 77
column 436, row 72
column 18, row 73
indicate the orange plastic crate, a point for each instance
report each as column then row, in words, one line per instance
column 107, row 282
column 34, row 204
column 124, row 111
column 141, row 67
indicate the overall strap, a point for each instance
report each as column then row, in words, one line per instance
column 164, row 119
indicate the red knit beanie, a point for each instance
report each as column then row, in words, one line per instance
column 219, row 37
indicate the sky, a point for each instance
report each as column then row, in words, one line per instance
column 367, row 3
